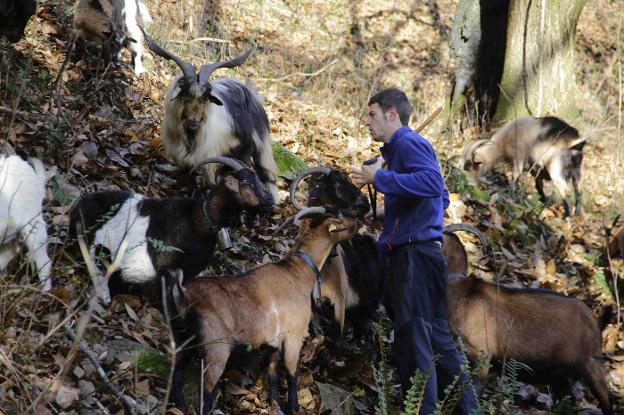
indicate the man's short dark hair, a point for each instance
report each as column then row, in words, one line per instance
column 393, row 97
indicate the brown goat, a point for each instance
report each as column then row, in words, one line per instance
column 529, row 325
column 525, row 325
column 268, row 305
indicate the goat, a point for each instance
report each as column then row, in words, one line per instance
column 22, row 190
column 269, row 304
column 219, row 118
column 549, row 147
column 116, row 24
column 529, row 325
column 14, row 16
column 172, row 232
column 525, row 324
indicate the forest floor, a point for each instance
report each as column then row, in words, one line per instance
column 316, row 64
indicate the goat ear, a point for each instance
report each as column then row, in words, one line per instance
column 578, row 144
column 214, row 99
column 231, row 183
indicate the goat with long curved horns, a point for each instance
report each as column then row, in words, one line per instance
column 223, row 117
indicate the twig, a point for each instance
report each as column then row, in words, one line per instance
column 429, row 119
column 294, row 74
column 613, row 274
column 128, row 403
column 201, row 39
column 22, row 113
column 172, row 342
column 56, row 89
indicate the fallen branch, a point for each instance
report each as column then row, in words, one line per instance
column 128, row 403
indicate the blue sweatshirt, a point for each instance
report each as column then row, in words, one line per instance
column 414, row 192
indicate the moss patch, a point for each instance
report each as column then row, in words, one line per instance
column 288, row 165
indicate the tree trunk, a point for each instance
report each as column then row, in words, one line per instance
column 538, row 72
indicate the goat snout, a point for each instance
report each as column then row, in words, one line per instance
column 192, row 125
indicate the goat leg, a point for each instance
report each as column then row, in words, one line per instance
column 594, row 374
column 539, row 185
column 293, row 402
column 273, row 378
column 207, row 402
column 178, row 393
column 79, row 50
column 578, row 211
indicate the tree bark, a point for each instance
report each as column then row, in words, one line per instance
column 538, row 73
column 519, row 57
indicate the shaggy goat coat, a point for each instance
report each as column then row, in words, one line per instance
column 239, row 128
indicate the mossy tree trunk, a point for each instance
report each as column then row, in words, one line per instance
column 538, row 72
column 514, row 57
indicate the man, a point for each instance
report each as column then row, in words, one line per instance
column 414, row 203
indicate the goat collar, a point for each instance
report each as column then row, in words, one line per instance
column 455, row 276
column 211, row 223
column 316, row 292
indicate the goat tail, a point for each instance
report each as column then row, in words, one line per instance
column 605, row 317
column 471, row 229
column 40, row 170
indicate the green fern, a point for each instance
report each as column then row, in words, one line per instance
column 416, row 393
column 381, row 372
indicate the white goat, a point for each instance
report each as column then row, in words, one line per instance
column 116, row 24
column 549, row 147
column 206, row 119
column 22, row 190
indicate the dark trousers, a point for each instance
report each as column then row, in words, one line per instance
column 419, row 280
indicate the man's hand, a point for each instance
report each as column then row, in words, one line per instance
column 366, row 174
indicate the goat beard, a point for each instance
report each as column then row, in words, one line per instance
column 190, row 140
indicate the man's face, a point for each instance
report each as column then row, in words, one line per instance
column 377, row 123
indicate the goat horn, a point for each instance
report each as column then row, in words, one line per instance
column 230, row 162
column 206, row 70
column 188, row 70
column 300, row 176
column 469, row 228
column 313, row 210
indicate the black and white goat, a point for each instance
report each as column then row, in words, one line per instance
column 166, row 233
column 22, row 190
column 219, row 118
column 549, row 147
column 116, row 24
column 14, row 16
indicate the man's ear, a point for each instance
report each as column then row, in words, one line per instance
column 394, row 114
